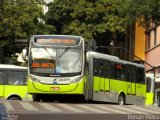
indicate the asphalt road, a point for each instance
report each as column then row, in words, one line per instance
column 28, row 110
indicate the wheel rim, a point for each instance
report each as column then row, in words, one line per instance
column 121, row 100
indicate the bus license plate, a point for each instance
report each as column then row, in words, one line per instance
column 55, row 88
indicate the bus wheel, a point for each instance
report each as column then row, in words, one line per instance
column 14, row 98
column 121, row 99
column 36, row 97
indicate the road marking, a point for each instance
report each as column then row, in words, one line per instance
column 50, row 107
column 8, row 106
column 110, row 109
column 68, row 107
column 28, row 106
column 128, row 109
column 145, row 110
column 80, row 108
column 91, row 109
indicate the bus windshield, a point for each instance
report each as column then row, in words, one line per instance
column 47, row 61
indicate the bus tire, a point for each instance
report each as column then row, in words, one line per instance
column 14, row 98
column 36, row 97
column 121, row 99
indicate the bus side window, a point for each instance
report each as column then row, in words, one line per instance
column 119, row 71
column 1, row 78
column 16, row 78
column 130, row 73
column 25, row 78
column 127, row 73
column 108, row 69
column 133, row 73
column 148, row 80
column 98, row 68
column 95, row 67
column 101, row 68
column 140, row 75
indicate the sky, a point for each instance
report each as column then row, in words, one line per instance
column 47, row 1
column 45, row 7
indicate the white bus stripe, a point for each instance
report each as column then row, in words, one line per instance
column 128, row 109
column 91, row 109
column 145, row 110
column 28, row 106
column 69, row 107
column 50, row 107
column 8, row 106
column 111, row 110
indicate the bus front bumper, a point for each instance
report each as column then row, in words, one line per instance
column 75, row 88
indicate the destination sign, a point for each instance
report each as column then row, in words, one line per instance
column 57, row 41
column 42, row 65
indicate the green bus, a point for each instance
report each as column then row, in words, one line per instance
column 115, row 80
column 153, row 90
column 13, row 82
column 61, row 68
column 150, row 89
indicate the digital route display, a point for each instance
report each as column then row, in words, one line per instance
column 56, row 41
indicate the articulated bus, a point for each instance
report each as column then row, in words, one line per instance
column 115, row 80
column 13, row 82
column 60, row 68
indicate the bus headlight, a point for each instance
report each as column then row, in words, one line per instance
column 76, row 80
column 34, row 79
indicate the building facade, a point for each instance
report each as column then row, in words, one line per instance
column 145, row 44
column 152, row 49
column 135, row 43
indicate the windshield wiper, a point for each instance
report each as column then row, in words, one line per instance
column 48, row 53
column 63, row 52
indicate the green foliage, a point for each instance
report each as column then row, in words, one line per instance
column 22, row 18
column 102, row 20
column 88, row 18
column 146, row 11
column 19, row 19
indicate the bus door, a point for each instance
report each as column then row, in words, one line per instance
column 140, row 82
column 1, row 84
column 96, row 74
column 107, row 75
column 101, row 82
column 101, row 74
column 131, row 77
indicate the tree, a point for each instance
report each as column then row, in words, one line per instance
column 20, row 19
column 145, row 11
column 101, row 20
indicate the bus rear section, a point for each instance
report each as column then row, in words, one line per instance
column 114, row 80
column 13, row 84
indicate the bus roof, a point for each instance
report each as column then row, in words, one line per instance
column 59, row 35
column 57, row 40
column 101, row 55
column 113, row 58
column 10, row 66
column 132, row 63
